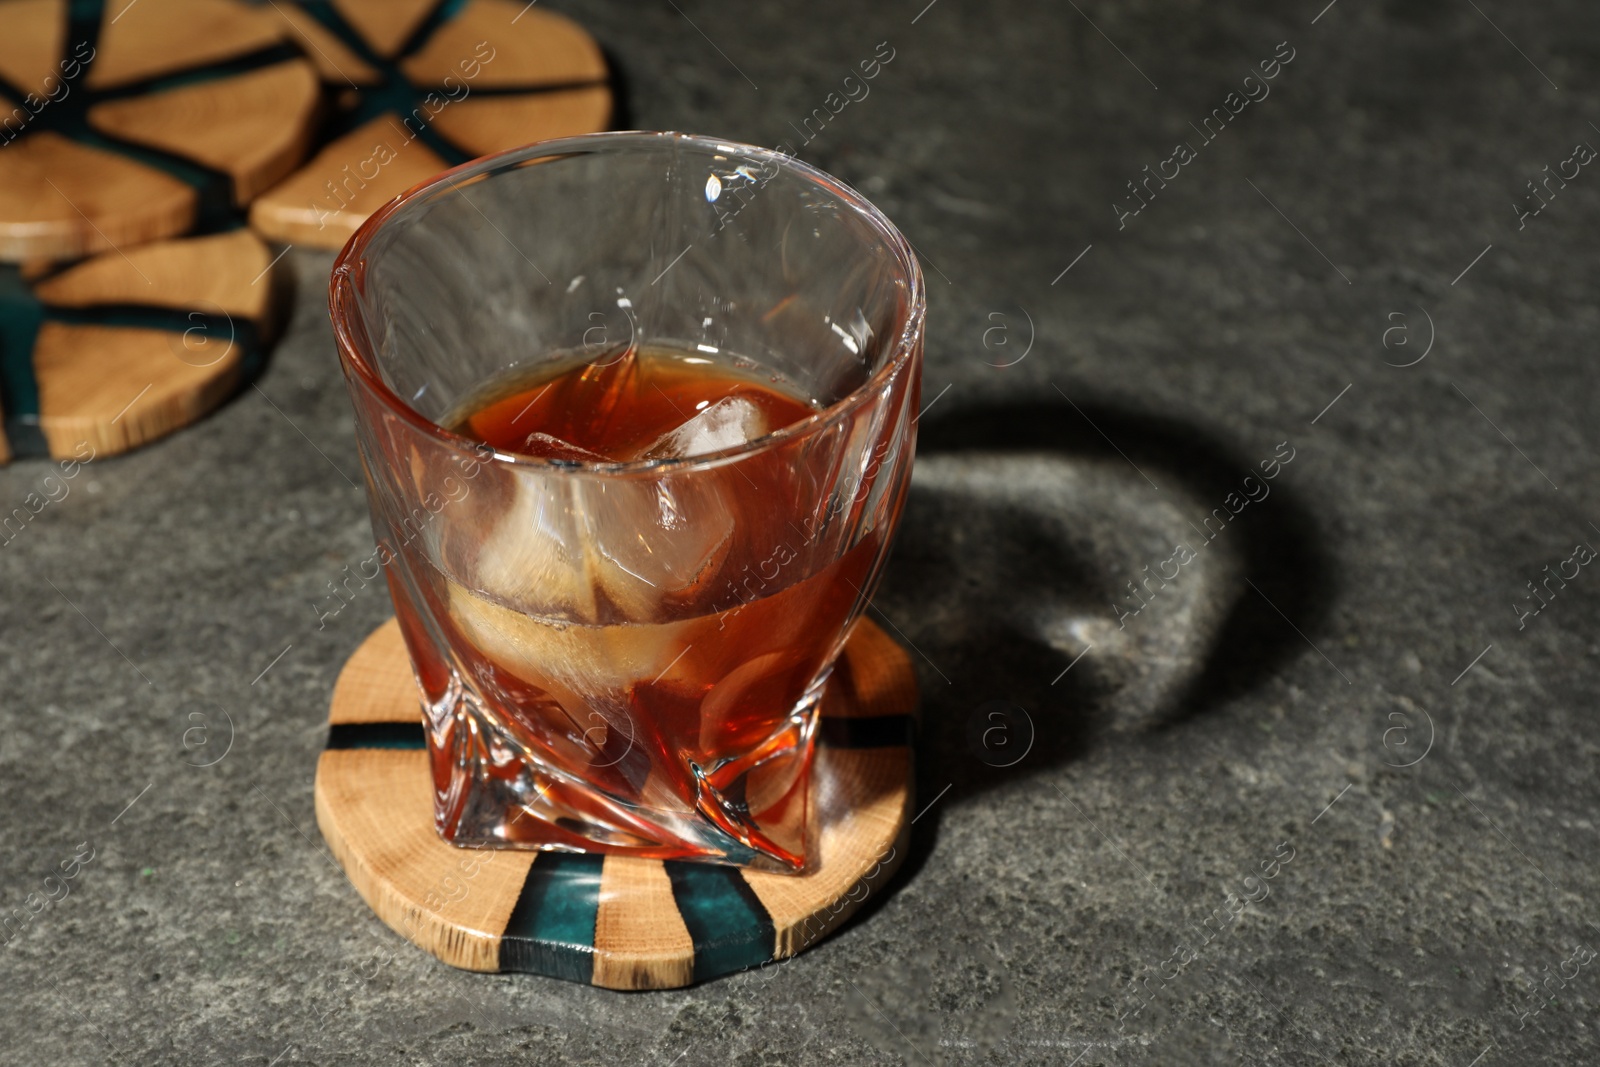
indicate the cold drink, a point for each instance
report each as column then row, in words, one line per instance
column 624, row 573
column 653, row 646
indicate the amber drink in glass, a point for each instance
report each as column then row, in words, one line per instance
column 637, row 415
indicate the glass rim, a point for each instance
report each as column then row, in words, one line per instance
column 352, row 342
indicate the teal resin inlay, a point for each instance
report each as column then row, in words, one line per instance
column 22, row 313
column 872, row 731
column 551, row 930
column 20, row 318
column 730, row 927
column 68, row 116
column 395, row 735
column 393, row 93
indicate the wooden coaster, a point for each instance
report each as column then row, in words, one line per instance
column 612, row 921
column 128, row 346
column 424, row 86
column 131, row 122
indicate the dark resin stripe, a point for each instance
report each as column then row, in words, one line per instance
column 198, row 327
column 214, row 208
column 873, row 731
column 730, row 927
column 349, row 735
column 394, row 92
column 69, row 116
column 21, row 315
column 20, row 318
column 441, row 13
column 260, row 59
column 551, row 930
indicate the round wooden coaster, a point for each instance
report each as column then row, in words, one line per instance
column 612, row 921
column 128, row 346
column 127, row 123
column 425, row 85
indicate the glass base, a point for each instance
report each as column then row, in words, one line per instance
column 651, row 924
column 493, row 788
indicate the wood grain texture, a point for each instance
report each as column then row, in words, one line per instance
column 118, row 387
column 375, row 809
column 863, row 799
column 374, row 805
column 384, row 24
column 151, row 38
column 325, row 201
column 33, row 42
column 493, row 124
column 486, row 44
column 539, row 48
column 254, row 127
column 640, row 940
column 882, row 681
column 61, row 200
column 336, row 63
column 221, row 272
column 371, row 689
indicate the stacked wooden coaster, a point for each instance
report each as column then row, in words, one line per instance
column 421, row 86
column 126, row 126
column 122, row 130
column 127, row 347
column 132, row 125
column 613, row 921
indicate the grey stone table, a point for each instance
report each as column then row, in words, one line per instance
column 1323, row 794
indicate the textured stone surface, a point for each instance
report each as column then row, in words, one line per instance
column 1167, row 765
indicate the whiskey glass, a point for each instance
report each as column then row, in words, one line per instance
column 627, row 657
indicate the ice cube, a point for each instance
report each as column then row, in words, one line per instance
column 728, row 423
column 744, row 700
column 600, row 549
column 531, row 550
column 589, row 670
column 544, row 446
column 581, row 666
column 658, row 544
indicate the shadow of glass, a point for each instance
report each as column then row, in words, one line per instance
column 1039, row 578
